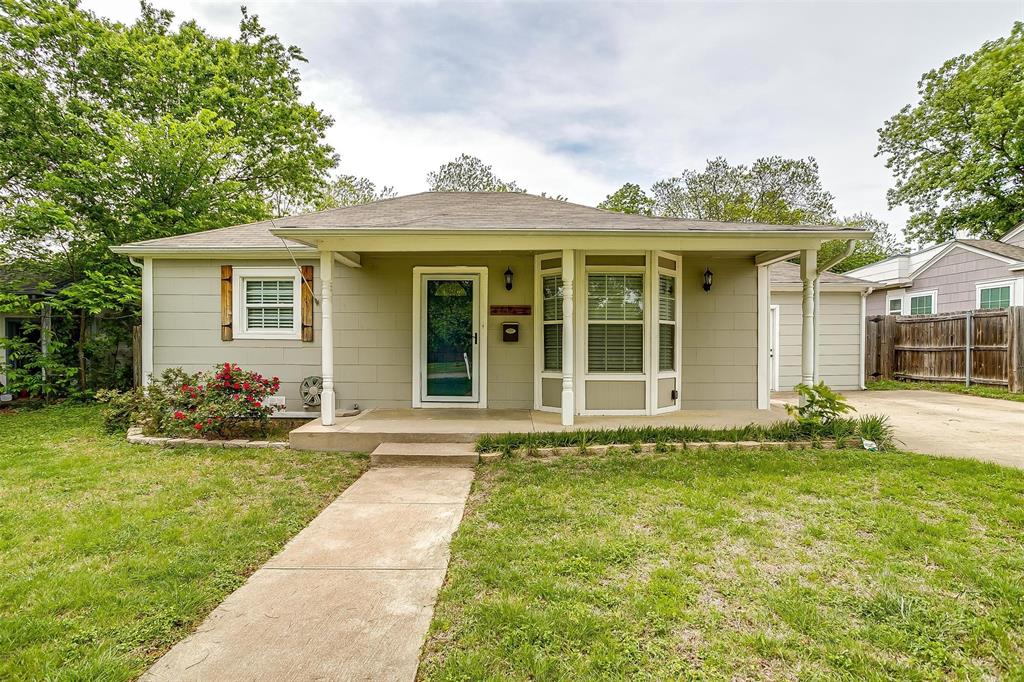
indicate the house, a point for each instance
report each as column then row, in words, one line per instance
column 840, row 326
column 484, row 300
column 31, row 327
column 960, row 274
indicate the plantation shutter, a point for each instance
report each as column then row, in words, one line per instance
column 307, row 302
column 226, row 330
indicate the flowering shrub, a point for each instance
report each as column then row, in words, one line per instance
column 226, row 402
column 221, row 403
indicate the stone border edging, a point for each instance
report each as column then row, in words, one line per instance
column 136, row 436
column 544, row 453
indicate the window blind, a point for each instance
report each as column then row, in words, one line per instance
column 270, row 303
column 551, row 288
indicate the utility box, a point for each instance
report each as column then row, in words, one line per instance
column 510, row 332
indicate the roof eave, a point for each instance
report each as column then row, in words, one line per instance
column 314, row 232
column 235, row 251
column 825, row 286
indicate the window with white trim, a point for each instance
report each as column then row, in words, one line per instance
column 551, row 287
column 267, row 303
column 666, row 323
column 615, row 322
column 992, row 297
column 896, row 306
column 922, row 304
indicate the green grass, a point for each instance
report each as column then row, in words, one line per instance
column 818, row 565
column 843, row 429
column 110, row 553
column 974, row 389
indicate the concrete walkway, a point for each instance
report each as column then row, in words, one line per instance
column 348, row 598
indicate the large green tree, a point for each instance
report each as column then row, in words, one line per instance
column 112, row 133
column 771, row 190
column 468, row 174
column 958, row 153
column 630, row 198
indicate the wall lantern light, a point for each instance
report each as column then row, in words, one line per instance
column 707, row 279
column 508, row 279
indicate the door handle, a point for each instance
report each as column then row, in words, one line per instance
column 475, row 339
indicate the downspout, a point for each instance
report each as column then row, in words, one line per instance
column 863, row 330
column 850, row 246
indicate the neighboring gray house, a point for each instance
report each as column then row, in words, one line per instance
column 961, row 274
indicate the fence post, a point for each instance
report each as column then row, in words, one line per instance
column 1015, row 349
column 137, row 355
column 887, row 346
column 968, row 342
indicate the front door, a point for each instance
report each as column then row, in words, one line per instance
column 450, row 343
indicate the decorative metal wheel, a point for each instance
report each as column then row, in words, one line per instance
column 310, row 390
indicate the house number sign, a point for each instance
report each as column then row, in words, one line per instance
column 511, row 309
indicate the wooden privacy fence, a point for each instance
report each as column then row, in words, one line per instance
column 970, row 347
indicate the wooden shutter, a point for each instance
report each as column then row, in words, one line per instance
column 307, row 302
column 226, row 330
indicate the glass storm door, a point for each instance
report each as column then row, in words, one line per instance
column 450, row 344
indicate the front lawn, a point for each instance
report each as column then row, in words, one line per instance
column 974, row 389
column 734, row 564
column 110, row 553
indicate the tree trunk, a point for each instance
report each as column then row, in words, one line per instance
column 81, row 350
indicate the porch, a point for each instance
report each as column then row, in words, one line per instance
column 368, row 429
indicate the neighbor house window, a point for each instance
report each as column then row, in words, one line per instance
column 994, row 297
column 267, row 303
column 552, row 303
column 895, row 306
column 922, row 305
column 615, row 323
column 666, row 323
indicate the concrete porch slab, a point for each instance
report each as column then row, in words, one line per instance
column 366, row 431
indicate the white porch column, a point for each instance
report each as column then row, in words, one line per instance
column 817, row 328
column 568, row 359
column 808, row 273
column 327, row 406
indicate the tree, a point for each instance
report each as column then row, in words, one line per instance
column 880, row 246
column 958, row 154
column 468, row 174
column 773, row 190
column 629, row 198
column 112, row 133
column 349, row 190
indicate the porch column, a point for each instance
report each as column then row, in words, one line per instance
column 808, row 273
column 568, row 359
column 327, row 406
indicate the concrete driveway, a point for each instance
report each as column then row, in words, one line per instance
column 937, row 423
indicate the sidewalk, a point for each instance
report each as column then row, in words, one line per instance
column 348, row 598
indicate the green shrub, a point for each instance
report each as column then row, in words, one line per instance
column 822, row 406
column 876, row 427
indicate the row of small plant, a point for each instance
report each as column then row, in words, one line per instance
column 225, row 402
column 819, row 418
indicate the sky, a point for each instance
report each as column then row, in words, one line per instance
column 578, row 98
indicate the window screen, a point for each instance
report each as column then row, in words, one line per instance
column 921, row 305
column 995, row 297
